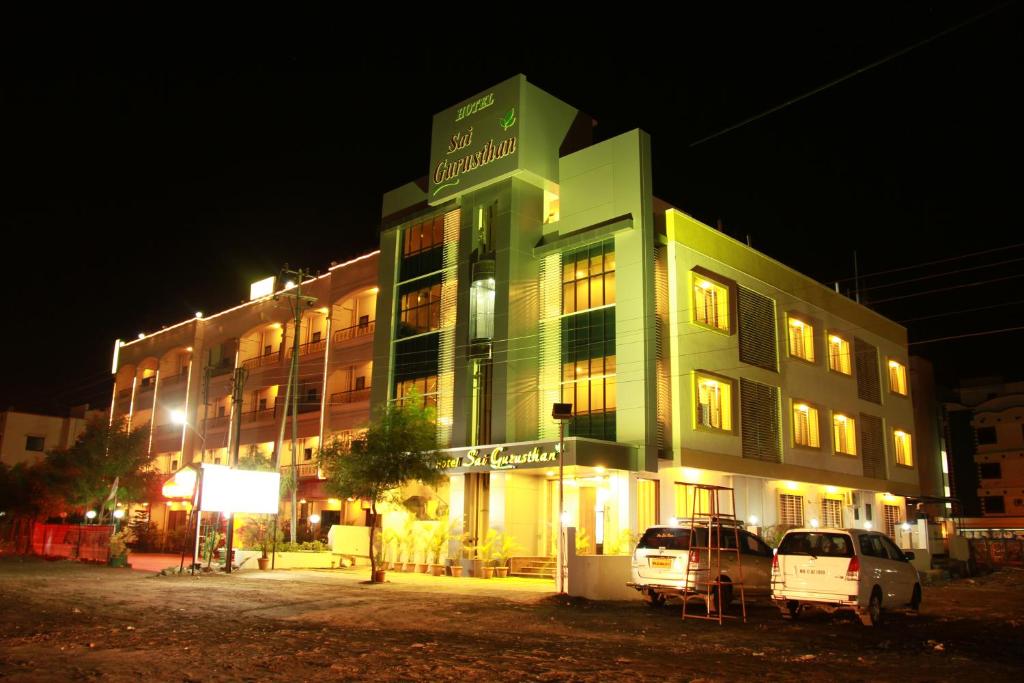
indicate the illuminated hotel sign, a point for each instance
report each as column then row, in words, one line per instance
column 475, row 142
column 504, row 457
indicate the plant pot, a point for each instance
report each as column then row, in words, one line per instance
column 422, row 567
column 379, row 575
column 456, row 569
column 410, row 567
column 501, row 572
column 476, row 568
column 437, row 569
column 118, row 560
column 486, row 572
column 263, row 562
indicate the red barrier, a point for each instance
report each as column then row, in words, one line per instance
column 84, row 542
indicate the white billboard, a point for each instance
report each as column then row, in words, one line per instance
column 228, row 490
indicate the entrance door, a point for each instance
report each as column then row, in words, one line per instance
column 588, row 521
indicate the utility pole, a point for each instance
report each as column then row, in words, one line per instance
column 299, row 302
column 237, row 395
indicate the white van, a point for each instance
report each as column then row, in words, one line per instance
column 843, row 569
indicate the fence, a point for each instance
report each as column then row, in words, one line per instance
column 83, row 542
column 997, row 552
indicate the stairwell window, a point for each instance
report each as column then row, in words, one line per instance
column 710, row 303
column 805, row 426
column 801, row 339
column 897, row 378
column 839, row 355
column 904, row 450
column 844, row 433
column 713, row 402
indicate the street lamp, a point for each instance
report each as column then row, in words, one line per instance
column 118, row 516
column 314, row 519
column 90, row 515
column 561, row 412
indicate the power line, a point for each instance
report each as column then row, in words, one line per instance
column 850, row 75
column 970, row 334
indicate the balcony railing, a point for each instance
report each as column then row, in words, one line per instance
column 167, row 429
column 355, row 331
column 147, row 384
column 309, row 347
column 306, row 470
column 218, row 421
column 307, row 404
column 173, row 379
column 252, row 416
column 261, row 361
column 353, row 396
column 221, row 368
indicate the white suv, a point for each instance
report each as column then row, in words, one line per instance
column 659, row 566
column 843, row 569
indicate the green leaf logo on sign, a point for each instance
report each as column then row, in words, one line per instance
column 509, row 119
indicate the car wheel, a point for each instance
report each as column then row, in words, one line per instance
column 792, row 610
column 654, row 599
column 873, row 616
column 915, row 600
column 726, row 594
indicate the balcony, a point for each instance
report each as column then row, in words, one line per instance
column 173, row 380
column 221, row 368
column 343, row 398
column 263, row 361
column 257, row 416
column 307, row 470
column 310, row 347
column 124, row 394
column 218, row 422
column 306, row 404
column 355, row 332
column 167, row 430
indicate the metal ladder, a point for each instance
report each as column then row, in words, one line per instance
column 706, row 584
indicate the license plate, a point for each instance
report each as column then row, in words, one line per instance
column 811, row 571
column 661, row 562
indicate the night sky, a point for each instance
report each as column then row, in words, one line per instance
column 147, row 179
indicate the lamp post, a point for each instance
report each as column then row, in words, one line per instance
column 179, row 417
column 90, row 515
column 118, row 516
column 561, row 412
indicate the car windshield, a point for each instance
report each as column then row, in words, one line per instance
column 824, row 544
column 670, row 538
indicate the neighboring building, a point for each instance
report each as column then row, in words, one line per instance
column 26, row 437
column 533, row 267
column 931, row 437
column 189, row 367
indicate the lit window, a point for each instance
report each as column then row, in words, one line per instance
column 839, row 355
column 904, row 452
column 425, row 387
column 844, row 431
column 801, row 339
column 832, row 513
column 710, row 303
column 423, row 236
column 805, row 426
column 791, row 509
column 588, row 277
column 420, row 310
column 713, row 403
column 897, row 378
column 589, row 385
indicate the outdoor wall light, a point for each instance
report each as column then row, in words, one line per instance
column 752, row 520
column 868, row 526
column 906, row 526
column 815, row 523
column 119, row 513
column 178, row 416
column 91, row 514
column 314, row 519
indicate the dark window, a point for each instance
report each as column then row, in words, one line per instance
column 993, row 504
column 872, row 439
column 316, row 336
column 360, row 382
column 871, row 545
column 34, row 443
column 364, row 320
column 752, row 545
column 588, row 367
column 990, row 470
column 307, row 453
column 867, row 511
column 986, row 435
column 759, row 421
column 869, row 387
column 220, row 411
column 669, row 538
column 263, row 404
column 174, row 466
column 893, row 550
column 817, row 544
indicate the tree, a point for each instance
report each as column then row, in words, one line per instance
column 400, row 446
column 84, row 474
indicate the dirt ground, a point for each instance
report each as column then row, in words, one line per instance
column 67, row 621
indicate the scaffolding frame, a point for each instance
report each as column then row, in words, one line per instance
column 705, row 583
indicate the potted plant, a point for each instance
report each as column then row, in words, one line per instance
column 407, row 541
column 420, row 549
column 438, row 540
column 256, row 535
column 119, row 547
column 389, row 549
column 501, row 551
column 483, row 552
column 210, row 544
column 380, row 573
